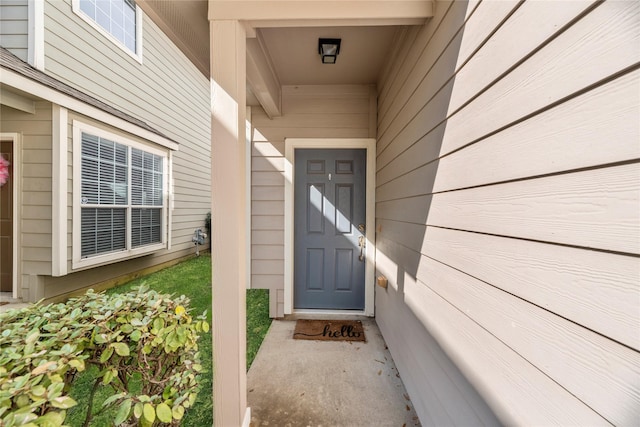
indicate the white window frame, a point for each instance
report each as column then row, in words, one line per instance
column 137, row 55
column 101, row 259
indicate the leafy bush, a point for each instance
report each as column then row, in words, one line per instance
column 140, row 337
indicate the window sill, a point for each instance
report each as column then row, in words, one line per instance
column 114, row 257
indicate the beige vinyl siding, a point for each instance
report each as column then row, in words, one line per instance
column 308, row 112
column 14, row 27
column 166, row 91
column 508, row 207
column 34, row 257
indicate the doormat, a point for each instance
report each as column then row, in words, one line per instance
column 329, row 330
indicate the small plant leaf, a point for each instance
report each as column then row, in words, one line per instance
column 148, row 413
column 164, row 413
column 106, row 354
column 63, row 402
column 121, row 348
column 51, row 419
column 177, row 412
column 137, row 410
column 123, row 412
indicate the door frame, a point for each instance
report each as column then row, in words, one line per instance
column 14, row 138
column 291, row 144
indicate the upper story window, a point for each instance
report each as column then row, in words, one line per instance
column 120, row 20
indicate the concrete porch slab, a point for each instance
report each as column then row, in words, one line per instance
column 320, row 383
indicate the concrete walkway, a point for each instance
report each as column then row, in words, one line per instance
column 320, row 383
column 8, row 303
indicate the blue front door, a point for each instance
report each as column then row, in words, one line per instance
column 329, row 228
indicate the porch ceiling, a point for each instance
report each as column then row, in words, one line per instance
column 288, row 33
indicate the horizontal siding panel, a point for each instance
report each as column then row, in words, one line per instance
column 259, row 267
column 575, row 134
column 267, row 237
column 37, row 156
column 268, row 149
column 14, row 11
column 521, row 35
column 12, row 27
column 267, row 252
column 267, row 164
column 600, row 209
column 315, row 92
column 297, row 105
column 581, row 56
column 267, row 178
column 449, row 17
column 561, row 349
column 273, row 192
column 336, row 120
column 279, row 134
column 267, row 207
column 438, row 390
column 34, row 170
column 514, row 388
column 36, row 184
column 569, row 282
column 448, row 50
column 34, row 240
column 267, row 222
column 36, row 226
column 36, row 198
column 264, row 281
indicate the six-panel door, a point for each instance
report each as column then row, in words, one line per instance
column 329, row 228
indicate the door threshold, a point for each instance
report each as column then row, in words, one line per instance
column 326, row 314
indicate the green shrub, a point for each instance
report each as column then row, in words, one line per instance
column 141, row 336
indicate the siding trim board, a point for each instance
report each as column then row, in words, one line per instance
column 60, row 167
column 16, row 139
column 35, row 50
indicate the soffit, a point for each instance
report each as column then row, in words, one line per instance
column 289, row 32
column 294, row 54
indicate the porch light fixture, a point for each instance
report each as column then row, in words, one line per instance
column 329, row 50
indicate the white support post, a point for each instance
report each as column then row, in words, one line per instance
column 228, row 222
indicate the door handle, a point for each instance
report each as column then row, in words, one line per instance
column 361, row 243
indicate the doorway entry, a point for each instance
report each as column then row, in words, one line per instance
column 329, row 225
column 329, row 229
column 6, row 218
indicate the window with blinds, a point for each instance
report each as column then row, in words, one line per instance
column 122, row 197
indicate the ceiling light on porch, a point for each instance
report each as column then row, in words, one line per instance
column 329, row 50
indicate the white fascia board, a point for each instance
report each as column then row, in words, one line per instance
column 15, row 80
column 16, row 101
column 257, row 10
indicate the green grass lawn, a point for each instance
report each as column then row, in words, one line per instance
column 193, row 279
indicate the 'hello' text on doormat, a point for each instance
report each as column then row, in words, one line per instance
column 329, row 330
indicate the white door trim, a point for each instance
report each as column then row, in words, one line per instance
column 17, row 170
column 289, row 167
